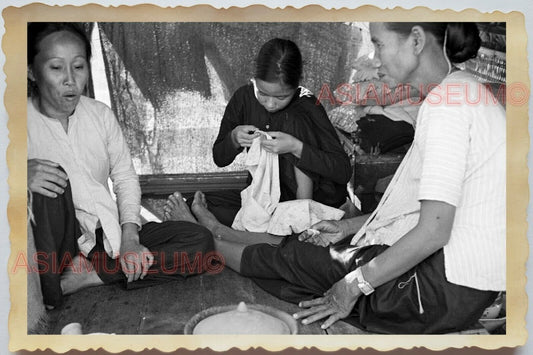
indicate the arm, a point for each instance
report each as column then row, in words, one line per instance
column 122, row 173
column 328, row 159
column 233, row 134
column 430, row 234
column 135, row 258
column 443, row 144
column 325, row 233
column 46, row 178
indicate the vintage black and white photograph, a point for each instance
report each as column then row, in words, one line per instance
column 257, row 184
column 267, row 178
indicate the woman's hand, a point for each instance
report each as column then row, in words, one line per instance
column 324, row 233
column 283, row 143
column 45, row 178
column 337, row 303
column 135, row 258
column 243, row 136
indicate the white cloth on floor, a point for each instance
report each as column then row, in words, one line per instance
column 259, row 200
column 298, row 215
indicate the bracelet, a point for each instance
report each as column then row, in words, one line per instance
column 363, row 285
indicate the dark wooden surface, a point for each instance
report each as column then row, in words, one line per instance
column 161, row 185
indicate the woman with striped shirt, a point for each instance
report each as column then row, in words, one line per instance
column 431, row 257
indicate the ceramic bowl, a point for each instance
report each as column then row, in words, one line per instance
column 291, row 323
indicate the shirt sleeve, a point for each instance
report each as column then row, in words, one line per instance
column 444, row 146
column 122, row 173
column 224, row 151
column 328, row 159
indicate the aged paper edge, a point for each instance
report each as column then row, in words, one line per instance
column 14, row 47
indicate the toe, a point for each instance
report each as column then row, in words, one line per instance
column 172, row 201
column 198, row 196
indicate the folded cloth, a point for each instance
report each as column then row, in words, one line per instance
column 298, row 215
column 259, row 200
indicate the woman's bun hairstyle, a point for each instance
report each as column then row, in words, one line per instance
column 462, row 38
column 462, row 41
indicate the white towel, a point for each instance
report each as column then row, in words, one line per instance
column 259, row 200
column 261, row 210
column 298, row 215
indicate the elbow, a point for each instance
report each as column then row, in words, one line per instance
column 435, row 223
column 437, row 237
column 220, row 161
column 217, row 157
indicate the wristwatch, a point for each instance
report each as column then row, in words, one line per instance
column 363, row 285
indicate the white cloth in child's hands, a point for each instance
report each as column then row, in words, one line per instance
column 259, row 200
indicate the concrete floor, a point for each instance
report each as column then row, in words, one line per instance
column 166, row 308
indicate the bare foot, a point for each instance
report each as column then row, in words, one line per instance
column 177, row 210
column 80, row 275
column 204, row 216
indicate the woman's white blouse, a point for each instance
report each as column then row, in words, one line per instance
column 93, row 150
column 459, row 157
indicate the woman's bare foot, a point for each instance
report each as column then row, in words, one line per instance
column 79, row 276
column 225, row 233
column 202, row 214
column 176, row 209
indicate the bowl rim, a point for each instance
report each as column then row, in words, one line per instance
column 291, row 323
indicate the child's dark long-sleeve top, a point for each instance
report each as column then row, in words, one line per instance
column 323, row 159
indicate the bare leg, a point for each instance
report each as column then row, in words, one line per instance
column 231, row 251
column 177, row 210
column 305, row 185
column 81, row 275
column 208, row 220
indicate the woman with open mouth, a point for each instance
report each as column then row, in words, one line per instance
column 82, row 235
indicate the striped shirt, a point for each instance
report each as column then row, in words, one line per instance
column 457, row 157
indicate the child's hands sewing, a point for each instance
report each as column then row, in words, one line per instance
column 282, row 143
column 243, row 136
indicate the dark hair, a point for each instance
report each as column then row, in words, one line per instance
column 462, row 41
column 39, row 30
column 279, row 60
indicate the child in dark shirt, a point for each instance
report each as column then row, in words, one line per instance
column 312, row 162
